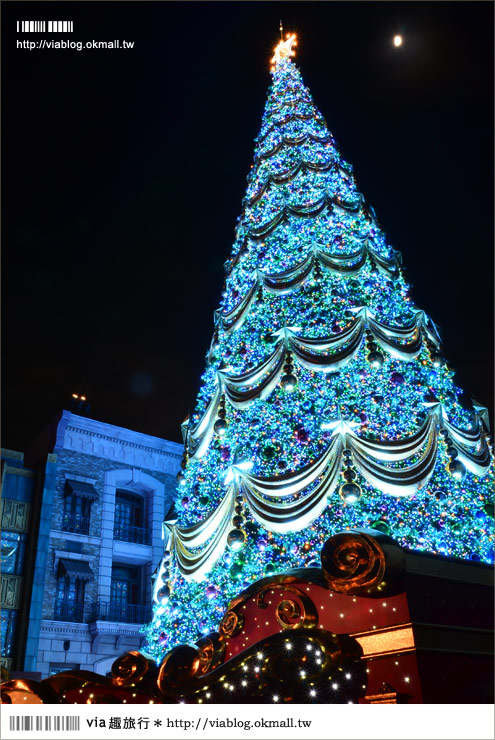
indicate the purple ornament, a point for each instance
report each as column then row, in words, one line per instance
column 185, row 502
column 362, row 373
column 302, row 435
column 397, row 379
column 211, row 591
column 262, row 544
column 363, row 417
column 336, row 327
column 225, row 453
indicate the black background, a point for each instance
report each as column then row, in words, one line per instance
column 123, row 174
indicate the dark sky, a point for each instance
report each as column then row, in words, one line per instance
column 123, row 174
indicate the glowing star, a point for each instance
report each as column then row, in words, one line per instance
column 284, row 49
column 398, row 40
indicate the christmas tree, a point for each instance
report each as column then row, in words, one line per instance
column 326, row 403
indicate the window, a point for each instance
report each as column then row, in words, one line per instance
column 77, row 512
column 69, row 604
column 9, row 619
column 77, row 506
column 126, row 598
column 58, row 667
column 129, row 519
column 126, row 585
column 125, row 594
column 13, row 545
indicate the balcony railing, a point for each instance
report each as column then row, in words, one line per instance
column 75, row 523
column 131, row 613
column 67, row 612
column 138, row 535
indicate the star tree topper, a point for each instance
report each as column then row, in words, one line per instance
column 284, row 50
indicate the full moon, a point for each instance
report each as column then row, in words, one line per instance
column 397, row 40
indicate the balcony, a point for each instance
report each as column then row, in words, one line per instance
column 75, row 523
column 137, row 535
column 68, row 612
column 130, row 613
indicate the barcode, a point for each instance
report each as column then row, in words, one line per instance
column 44, row 26
column 51, row 724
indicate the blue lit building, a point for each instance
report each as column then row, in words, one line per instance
column 81, row 515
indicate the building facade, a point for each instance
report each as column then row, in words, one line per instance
column 82, row 515
column 16, row 522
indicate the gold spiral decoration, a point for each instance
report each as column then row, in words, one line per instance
column 287, row 610
column 130, row 668
column 26, row 691
column 231, row 624
column 179, row 667
column 353, row 562
column 211, row 651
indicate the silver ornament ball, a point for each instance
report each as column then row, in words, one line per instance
column 288, row 382
column 376, row 360
column 220, row 427
column 456, row 469
column 350, row 493
column 236, row 539
column 163, row 594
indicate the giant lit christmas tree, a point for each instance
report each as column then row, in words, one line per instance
column 327, row 426
column 326, row 403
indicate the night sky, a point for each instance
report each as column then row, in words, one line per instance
column 124, row 170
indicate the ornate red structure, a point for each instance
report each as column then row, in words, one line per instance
column 375, row 624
